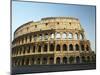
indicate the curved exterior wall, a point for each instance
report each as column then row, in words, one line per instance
column 52, row 40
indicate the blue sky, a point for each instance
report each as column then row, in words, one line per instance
column 23, row 12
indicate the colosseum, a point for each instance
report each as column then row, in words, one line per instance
column 52, row 40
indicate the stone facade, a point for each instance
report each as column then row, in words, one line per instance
column 52, row 40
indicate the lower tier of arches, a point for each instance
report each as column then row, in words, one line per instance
column 44, row 60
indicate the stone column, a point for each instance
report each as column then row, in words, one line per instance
column 24, row 40
column 47, row 60
column 74, row 59
column 40, row 60
column 66, row 35
column 34, row 60
column 68, row 47
column 36, row 48
column 54, row 59
column 68, row 60
column 28, row 39
column 80, row 59
column 42, row 47
column 32, row 38
column 78, row 36
column 73, row 36
column 30, row 61
column 48, row 47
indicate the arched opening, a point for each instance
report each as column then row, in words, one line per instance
column 51, row 47
column 26, row 39
column 58, row 36
column 82, row 47
column 76, row 36
column 18, row 62
column 71, row 47
column 77, row 47
column 88, row 59
column 81, row 37
column 32, row 61
column 71, row 59
column 70, row 36
column 33, row 49
column 93, row 59
column 64, row 60
column 22, row 40
column 35, row 37
column 22, row 62
column 46, row 36
column 83, row 59
column 77, row 59
column 44, row 61
column 45, row 48
column 27, row 61
column 40, row 36
column 30, row 37
column 87, row 48
column 52, row 35
column 39, row 49
column 58, row 60
column 20, row 49
column 64, row 36
column 65, row 47
column 51, row 60
column 24, row 50
column 58, row 47
column 38, row 60
column 28, row 49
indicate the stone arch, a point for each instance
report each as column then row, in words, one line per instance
column 83, row 59
column 46, row 36
column 77, row 47
column 71, row 47
column 81, row 36
column 20, row 50
column 26, row 39
column 52, row 35
column 27, row 61
column 64, row 60
column 77, row 59
column 58, row 60
column 64, row 47
column 38, row 60
column 40, row 36
column 24, row 50
column 33, row 48
column 33, row 60
column 51, row 59
column 88, row 59
column 45, row 48
column 44, row 61
column 82, row 47
column 35, row 37
column 76, row 36
column 30, row 38
column 71, row 59
column 93, row 59
column 58, row 36
column 51, row 47
column 22, row 61
column 64, row 35
column 28, row 49
column 39, row 48
column 70, row 36
column 58, row 47
column 87, row 47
